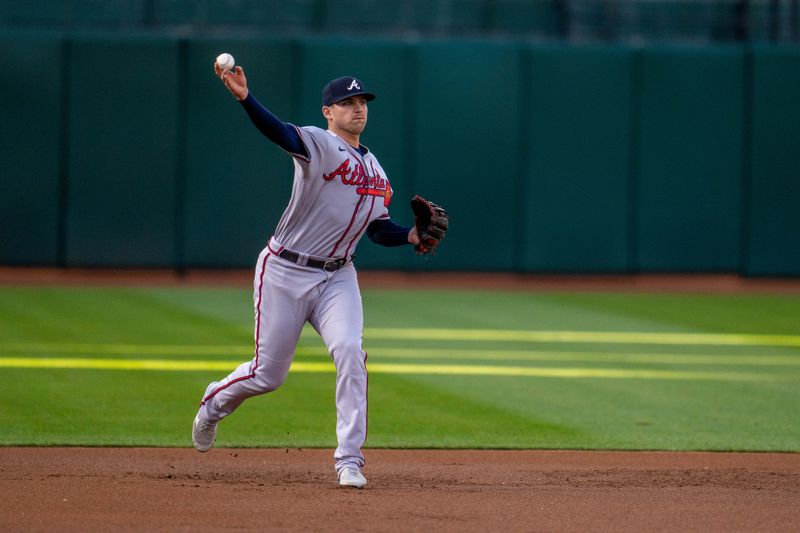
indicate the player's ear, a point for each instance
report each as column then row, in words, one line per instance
column 326, row 112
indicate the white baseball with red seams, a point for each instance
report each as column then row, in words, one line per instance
column 226, row 61
column 336, row 193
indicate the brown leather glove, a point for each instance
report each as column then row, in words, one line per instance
column 431, row 221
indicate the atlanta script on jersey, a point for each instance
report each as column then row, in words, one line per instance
column 337, row 192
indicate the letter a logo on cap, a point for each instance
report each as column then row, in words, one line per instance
column 354, row 85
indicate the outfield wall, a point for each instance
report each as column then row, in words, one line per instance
column 124, row 150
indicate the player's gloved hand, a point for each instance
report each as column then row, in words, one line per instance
column 234, row 80
column 431, row 222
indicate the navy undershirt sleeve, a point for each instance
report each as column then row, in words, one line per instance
column 387, row 233
column 281, row 133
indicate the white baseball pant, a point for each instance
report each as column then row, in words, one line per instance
column 286, row 296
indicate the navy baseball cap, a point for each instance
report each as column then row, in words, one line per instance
column 342, row 88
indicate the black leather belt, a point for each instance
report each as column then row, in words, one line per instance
column 330, row 266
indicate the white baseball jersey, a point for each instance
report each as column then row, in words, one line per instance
column 337, row 192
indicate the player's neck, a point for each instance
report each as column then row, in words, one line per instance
column 349, row 138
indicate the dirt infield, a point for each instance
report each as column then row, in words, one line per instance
column 69, row 489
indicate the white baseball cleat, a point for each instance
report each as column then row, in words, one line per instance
column 204, row 433
column 351, row 476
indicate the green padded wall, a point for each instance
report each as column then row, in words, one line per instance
column 42, row 13
column 237, row 182
column 364, row 16
column 774, row 200
column 384, row 67
column 577, row 189
column 537, row 17
column 271, row 14
column 63, row 13
column 127, row 151
column 122, row 152
column 31, row 107
column 338, row 15
column 452, row 16
column 690, row 159
column 466, row 148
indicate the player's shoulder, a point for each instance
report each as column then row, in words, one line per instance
column 314, row 131
column 317, row 135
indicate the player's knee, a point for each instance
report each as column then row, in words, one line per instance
column 348, row 356
column 268, row 383
column 270, row 377
column 275, row 382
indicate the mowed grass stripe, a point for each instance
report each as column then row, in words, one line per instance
column 575, row 337
column 605, row 337
column 128, row 349
column 412, row 353
column 383, row 368
column 569, row 356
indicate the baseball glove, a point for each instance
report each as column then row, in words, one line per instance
column 431, row 221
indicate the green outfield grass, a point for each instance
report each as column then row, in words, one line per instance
column 127, row 366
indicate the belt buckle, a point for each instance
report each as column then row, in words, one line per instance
column 334, row 265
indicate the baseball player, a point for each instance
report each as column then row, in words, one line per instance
column 306, row 274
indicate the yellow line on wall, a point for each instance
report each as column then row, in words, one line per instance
column 384, row 368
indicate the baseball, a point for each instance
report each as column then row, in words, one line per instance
column 225, row 61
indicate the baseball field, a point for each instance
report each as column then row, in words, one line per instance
column 507, row 409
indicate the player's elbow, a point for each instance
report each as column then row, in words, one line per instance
column 374, row 234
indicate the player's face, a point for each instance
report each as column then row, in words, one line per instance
column 349, row 115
